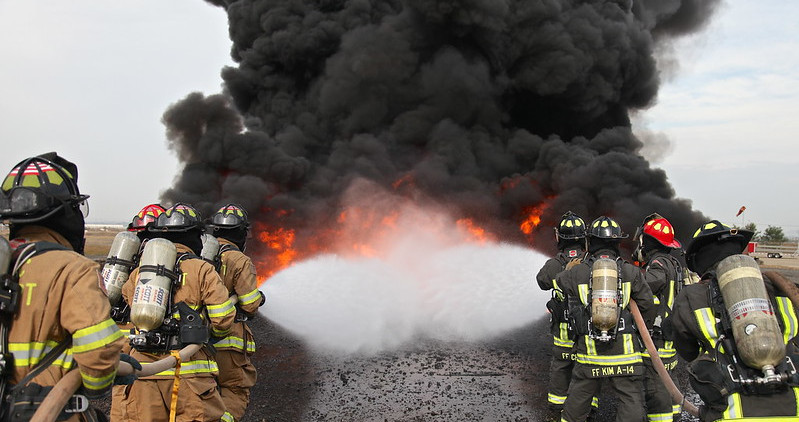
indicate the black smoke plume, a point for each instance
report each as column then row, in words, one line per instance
column 485, row 107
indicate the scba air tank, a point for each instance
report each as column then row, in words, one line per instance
column 210, row 247
column 151, row 297
column 118, row 264
column 755, row 328
column 5, row 256
column 604, row 296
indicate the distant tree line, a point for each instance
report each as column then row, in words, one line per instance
column 772, row 234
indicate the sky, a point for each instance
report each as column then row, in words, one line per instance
column 91, row 80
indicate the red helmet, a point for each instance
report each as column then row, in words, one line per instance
column 662, row 231
column 146, row 216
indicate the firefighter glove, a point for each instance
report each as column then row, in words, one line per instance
column 573, row 262
column 127, row 379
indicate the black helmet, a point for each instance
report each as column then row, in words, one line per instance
column 38, row 187
column 606, row 228
column 230, row 216
column 571, row 226
column 714, row 232
column 177, row 218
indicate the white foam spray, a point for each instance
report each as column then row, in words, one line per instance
column 463, row 292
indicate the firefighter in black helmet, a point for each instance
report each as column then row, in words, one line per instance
column 606, row 345
column 48, row 331
column 237, row 374
column 703, row 318
column 570, row 235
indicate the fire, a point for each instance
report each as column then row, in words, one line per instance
column 477, row 233
column 280, row 242
column 532, row 218
column 366, row 230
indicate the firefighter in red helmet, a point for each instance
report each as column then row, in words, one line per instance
column 663, row 273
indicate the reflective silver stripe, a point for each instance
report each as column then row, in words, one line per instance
column 788, row 318
column 583, row 292
column 97, row 383
column 227, row 417
column 217, row 311
column 609, row 360
column 29, row 354
column 96, row 336
column 554, row 399
column 250, row 297
column 191, row 367
column 707, row 324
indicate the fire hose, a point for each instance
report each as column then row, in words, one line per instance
column 57, row 398
column 787, row 287
column 676, row 396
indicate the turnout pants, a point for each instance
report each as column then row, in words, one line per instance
column 236, row 377
column 629, row 391
column 149, row 400
column 659, row 407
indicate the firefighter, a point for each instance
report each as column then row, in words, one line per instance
column 62, row 314
column 702, row 323
column 570, row 235
column 606, row 345
column 236, row 372
column 662, row 272
column 143, row 219
column 192, row 395
column 120, row 311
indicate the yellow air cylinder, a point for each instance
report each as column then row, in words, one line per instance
column 115, row 274
column 604, row 295
column 151, row 297
column 754, row 325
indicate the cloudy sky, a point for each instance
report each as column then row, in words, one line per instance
column 91, row 79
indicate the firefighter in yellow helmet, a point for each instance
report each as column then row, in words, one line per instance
column 570, row 235
column 607, row 347
column 236, row 372
column 53, row 313
column 663, row 273
column 189, row 392
column 733, row 327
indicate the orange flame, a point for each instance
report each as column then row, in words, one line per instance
column 477, row 233
column 532, row 218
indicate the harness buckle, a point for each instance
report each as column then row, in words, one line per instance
column 78, row 403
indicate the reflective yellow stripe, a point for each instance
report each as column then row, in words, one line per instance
column 227, row 417
column 218, row 311
column 562, row 343
column 658, row 417
column 554, row 399
column 595, row 402
column 582, row 290
column 191, row 367
column 657, row 300
column 236, row 343
column 29, row 354
column 676, row 409
column 733, row 406
column 96, row 336
column 707, row 323
column 250, row 297
column 609, row 360
column 625, row 293
column 628, row 344
column 97, row 383
column 796, row 399
column 219, row 333
column 590, row 346
column 788, row 315
column 672, row 290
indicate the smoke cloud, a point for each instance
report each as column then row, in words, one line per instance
column 487, row 108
